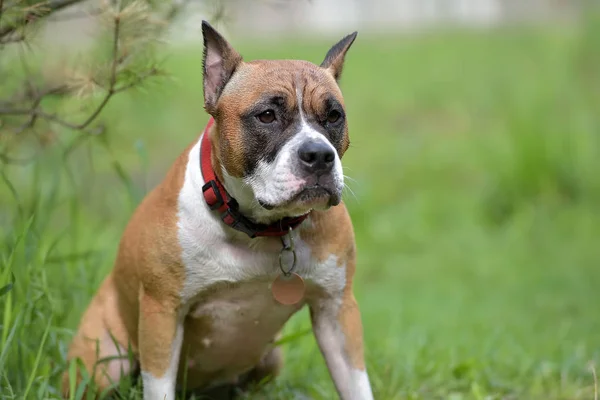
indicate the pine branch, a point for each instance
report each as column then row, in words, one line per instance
column 46, row 8
column 137, row 81
column 1, row 10
column 36, row 111
column 133, row 31
column 77, row 15
column 113, row 76
column 11, row 39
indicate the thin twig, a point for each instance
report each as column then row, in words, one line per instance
column 37, row 113
column 1, row 11
column 16, row 161
column 74, row 145
column 37, row 99
column 175, row 10
column 113, row 75
column 66, row 124
column 33, row 111
column 12, row 38
column 138, row 80
column 26, row 95
column 77, row 15
column 15, row 111
column 31, row 90
column 32, row 119
column 50, row 7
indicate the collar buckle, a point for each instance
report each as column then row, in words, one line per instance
column 214, row 199
column 234, row 219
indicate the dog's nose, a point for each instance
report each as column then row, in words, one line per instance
column 316, row 156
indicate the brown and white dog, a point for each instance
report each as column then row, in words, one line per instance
column 202, row 285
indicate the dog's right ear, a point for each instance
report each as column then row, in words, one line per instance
column 219, row 63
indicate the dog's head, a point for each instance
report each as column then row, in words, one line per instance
column 281, row 128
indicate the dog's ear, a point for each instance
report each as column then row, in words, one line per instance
column 334, row 60
column 219, row 63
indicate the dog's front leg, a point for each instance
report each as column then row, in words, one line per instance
column 160, row 337
column 337, row 327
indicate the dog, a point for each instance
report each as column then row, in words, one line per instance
column 246, row 229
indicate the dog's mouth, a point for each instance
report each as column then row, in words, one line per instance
column 308, row 197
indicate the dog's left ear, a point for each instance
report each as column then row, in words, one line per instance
column 334, row 60
column 219, row 64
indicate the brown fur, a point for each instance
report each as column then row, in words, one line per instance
column 331, row 232
column 350, row 320
column 203, row 360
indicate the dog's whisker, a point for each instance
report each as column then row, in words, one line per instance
column 346, row 187
column 350, row 178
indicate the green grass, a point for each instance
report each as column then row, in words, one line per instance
column 475, row 159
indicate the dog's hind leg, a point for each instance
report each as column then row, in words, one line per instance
column 268, row 368
column 101, row 342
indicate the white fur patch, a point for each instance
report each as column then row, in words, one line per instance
column 117, row 367
column 276, row 182
column 362, row 385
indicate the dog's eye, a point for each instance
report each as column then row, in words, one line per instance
column 266, row 117
column 333, row 116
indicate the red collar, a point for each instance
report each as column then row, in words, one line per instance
column 218, row 199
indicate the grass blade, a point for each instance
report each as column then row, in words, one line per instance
column 7, row 288
column 293, row 336
column 9, row 339
column 37, row 359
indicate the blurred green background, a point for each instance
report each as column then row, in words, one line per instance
column 474, row 195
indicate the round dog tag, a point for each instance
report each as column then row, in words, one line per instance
column 288, row 290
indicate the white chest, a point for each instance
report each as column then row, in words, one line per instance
column 210, row 263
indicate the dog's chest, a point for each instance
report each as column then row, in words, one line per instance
column 228, row 330
column 233, row 317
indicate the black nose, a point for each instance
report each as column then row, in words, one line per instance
column 316, row 156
